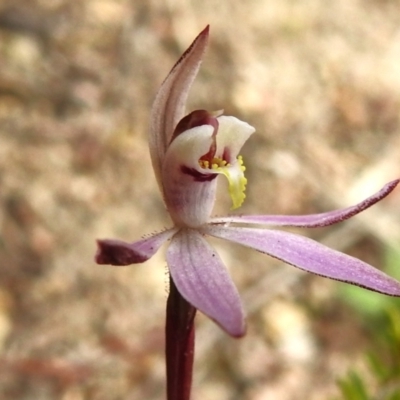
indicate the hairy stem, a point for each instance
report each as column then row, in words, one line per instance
column 179, row 345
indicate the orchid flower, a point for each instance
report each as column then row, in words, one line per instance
column 188, row 154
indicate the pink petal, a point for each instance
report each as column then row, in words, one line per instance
column 312, row 220
column 204, row 282
column 169, row 104
column 310, row 256
column 117, row 252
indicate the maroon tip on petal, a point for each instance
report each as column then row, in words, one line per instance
column 115, row 252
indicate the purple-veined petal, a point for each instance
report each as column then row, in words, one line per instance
column 310, row 256
column 169, row 104
column 118, row 252
column 203, row 280
column 312, row 220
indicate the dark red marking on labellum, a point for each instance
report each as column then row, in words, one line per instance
column 198, row 176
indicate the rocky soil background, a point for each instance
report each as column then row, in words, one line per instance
column 321, row 84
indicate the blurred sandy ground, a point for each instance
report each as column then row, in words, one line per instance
column 319, row 81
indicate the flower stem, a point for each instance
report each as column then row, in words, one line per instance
column 179, row 345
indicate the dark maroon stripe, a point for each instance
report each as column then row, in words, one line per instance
column 198, row 176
